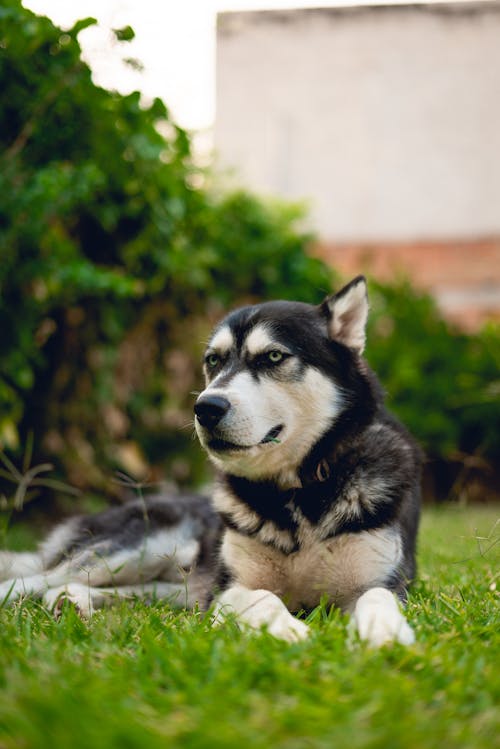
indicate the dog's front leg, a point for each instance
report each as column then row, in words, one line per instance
column 379, row 620
column 260, row 608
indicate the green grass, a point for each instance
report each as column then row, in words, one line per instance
column 139, row 676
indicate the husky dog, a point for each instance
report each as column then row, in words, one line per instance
column 316, row 496
column 318, row 486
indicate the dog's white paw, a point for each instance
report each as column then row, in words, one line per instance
column 287, row 627
column 260, row 608
column 75, row 593
column 379, row 620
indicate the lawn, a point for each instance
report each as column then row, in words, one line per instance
column 146, row 676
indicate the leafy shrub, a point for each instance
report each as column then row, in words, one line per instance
column 108, row 246
column 442, row 383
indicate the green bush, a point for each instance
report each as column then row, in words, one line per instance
column 443, row 384
column 108, row 248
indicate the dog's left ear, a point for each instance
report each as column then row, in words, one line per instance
column 347, row 313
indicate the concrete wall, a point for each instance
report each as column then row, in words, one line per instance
column 387, row 119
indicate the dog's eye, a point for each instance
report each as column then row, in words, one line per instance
column 275, row 356
column 212, row 360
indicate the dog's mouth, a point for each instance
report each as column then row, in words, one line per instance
column 220, row 445
column 272, row 435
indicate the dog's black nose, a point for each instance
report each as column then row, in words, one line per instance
column 210, row 409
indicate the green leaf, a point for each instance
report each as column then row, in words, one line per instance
column 126, row 34
column 84, row 23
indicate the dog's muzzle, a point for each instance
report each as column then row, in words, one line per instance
column 210, row 410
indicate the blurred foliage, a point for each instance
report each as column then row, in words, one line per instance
column 115, row 260
column 444, row 384
column 117, row 255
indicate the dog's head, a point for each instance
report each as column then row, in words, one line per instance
column 278, row 376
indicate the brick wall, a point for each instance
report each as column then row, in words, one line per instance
column 464, row 276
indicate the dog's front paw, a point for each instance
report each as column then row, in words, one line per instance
column 379, row 620
column 260, row 608
column 287, row 627
column 269, row 611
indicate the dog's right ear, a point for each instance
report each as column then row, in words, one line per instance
column 346, row 313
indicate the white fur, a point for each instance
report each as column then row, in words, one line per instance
column 379, row 620
column 58, row 539
column 83, row 597
column 260, row 608
column 222, row 341
column 25, row 586
column 225, row 502
column 20, row 564
column 259, row 340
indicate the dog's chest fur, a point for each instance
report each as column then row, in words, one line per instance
column 339, row 568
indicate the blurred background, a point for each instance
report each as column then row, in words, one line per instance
column 163, row 162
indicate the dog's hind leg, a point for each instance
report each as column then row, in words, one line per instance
column 24, row 565
column 120, row 574
column 19, row 564
column 31, row 585
column 87, row 599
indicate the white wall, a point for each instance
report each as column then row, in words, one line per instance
column 387, row 119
